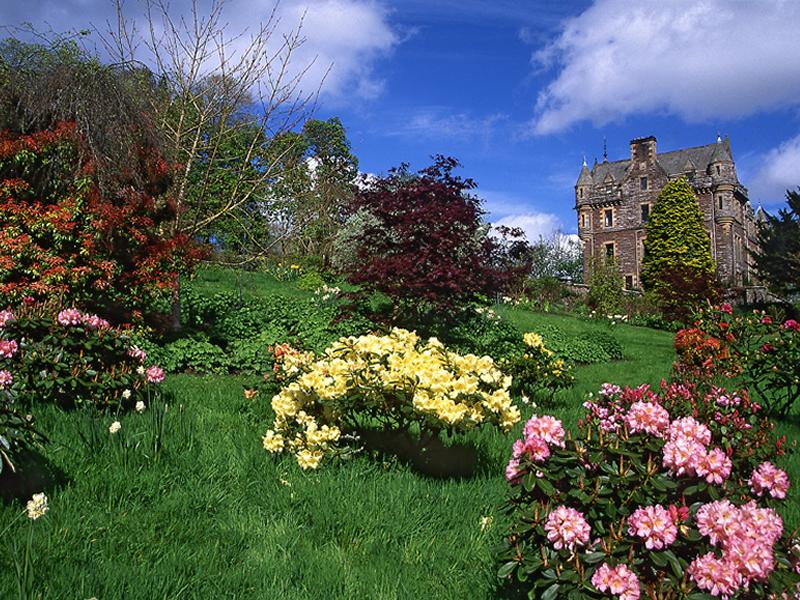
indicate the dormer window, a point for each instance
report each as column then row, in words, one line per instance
column 643, row 183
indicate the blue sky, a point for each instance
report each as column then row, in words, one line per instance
column 520, row 91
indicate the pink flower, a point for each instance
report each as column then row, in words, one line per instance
column 8, row 348
column 94, row 321
column 512, row 470
column 547, row 428
column 791, row 324
column 654, row 525
column 620, row 580
column 726, row 308
column 766, row 320
column 154, row 374
column 6, row 316
column 718, row 520
column 567, row 528
column 682, row 455
column 715, row 466
column 690, row 428
column 717, row 576
column 69, row 316
column 648, row 417
column 137, row 353
column 609, row 389
column 768, row 478
column 536, row 449
column 6, row 379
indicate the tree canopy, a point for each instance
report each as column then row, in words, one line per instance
column 778, row 257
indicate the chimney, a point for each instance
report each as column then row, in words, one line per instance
column 643, row 150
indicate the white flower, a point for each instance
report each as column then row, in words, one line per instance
column 114, row 427
column 140, row 407
column 37, row 506
column 486, row 522
column 140, row 369
column 126, row 394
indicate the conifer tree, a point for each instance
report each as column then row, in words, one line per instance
column 677, row 266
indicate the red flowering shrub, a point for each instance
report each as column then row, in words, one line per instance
column 662, row 495
column 760, row 351
column 61, row 236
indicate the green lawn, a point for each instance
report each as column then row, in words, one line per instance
column 211, row 515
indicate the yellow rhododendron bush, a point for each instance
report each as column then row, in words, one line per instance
column 392, row 382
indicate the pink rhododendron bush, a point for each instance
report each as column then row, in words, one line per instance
column 71, row 358
column 664, row 494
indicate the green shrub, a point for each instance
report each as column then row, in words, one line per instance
column 310, row 281
column 198, row 356
column 587, row 347
column 605, row 285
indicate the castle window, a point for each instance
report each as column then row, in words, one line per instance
column 608, row 217
column 642, row 183
column 583, row 220
column 719, row 200
column 580, row 193
column 645, row 212
column 609, row 247
column 628, row 282
column 718, row 170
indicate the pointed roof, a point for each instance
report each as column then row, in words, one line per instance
column 585, row 177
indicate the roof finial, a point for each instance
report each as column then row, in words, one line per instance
column 719, row 137
column 584, row 161
column 605, row 150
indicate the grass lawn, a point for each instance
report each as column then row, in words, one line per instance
column 210, row 514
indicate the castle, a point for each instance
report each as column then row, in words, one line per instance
column 614, row 200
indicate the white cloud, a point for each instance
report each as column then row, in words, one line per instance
column 779, row 171
column 698, row 60
column 344, row 39
column 535, row 225
column 442, row 123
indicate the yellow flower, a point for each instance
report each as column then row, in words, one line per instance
column 273, row 442
column 309, row 459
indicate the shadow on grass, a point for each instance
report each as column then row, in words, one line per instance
column 429, row 456
column 34, row 474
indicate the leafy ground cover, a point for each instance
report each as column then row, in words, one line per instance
column 184, row 502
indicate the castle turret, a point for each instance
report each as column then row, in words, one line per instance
column 584, row 185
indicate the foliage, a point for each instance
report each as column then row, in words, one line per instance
column 70, row 358
column 316, row 181
column 310, row 281
column 537, row 369
column 759, row 350
column 586, row 347
column 647, row 502
column 394, row 382
column 778, row 257
column 430, row 247
column 677, row 265
column 605, row 285
column 72, row 225
column 17, row 431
